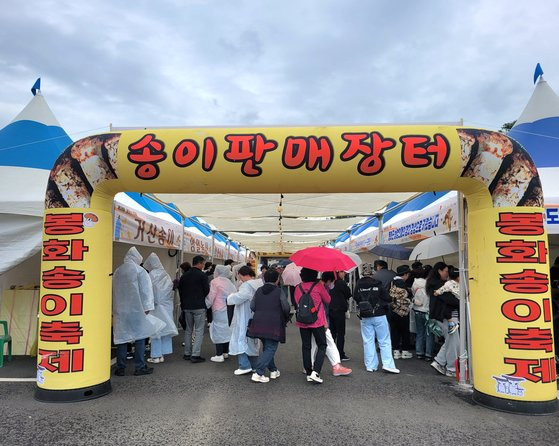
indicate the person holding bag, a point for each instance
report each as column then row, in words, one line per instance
column 400, row 316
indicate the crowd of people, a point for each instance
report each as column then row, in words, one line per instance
column 248, row 315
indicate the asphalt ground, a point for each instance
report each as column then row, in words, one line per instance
column 205, row 404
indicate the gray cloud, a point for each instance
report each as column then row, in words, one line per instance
column 304, row 62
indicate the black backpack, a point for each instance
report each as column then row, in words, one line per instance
column 306, row 312
column 369, row 301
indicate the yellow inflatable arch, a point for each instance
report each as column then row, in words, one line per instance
column 513, row 358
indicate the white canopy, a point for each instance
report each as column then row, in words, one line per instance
column 306, row 219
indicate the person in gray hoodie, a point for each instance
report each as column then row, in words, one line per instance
column 383, row 274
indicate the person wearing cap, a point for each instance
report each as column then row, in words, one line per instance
column 400, row 315
column 373, row 302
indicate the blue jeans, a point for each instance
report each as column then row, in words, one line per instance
column 195, row 321
column 247, row 362
column 139, row 361
column 266, row 358
column 161, row 346
column 372, row 327
column 424, row 339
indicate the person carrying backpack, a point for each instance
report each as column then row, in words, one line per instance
column 311, row 296
column 373, row 300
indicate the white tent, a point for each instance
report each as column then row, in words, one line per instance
column 29, row 145
column 537, row 130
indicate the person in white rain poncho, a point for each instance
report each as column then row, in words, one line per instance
column 164, row 303
column 245, row 348
column 220, row 333
column 132, row 301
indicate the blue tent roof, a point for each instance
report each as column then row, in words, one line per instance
column 34, row 139
column 190, row 222
column 418, row 203
column 537, row 128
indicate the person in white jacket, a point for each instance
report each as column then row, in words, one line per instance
column 220, row 332
column 132, row 301
column 424, row 339
column 163, row 294
column 246, row 349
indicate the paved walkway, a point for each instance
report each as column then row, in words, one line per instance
column 205, row 404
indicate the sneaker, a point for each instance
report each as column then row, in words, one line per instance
column 196, row 359
column 119, row 372
column 186, row 357
column 144, row 371
column 259, row 378
column 396, row 354
column 155, row 360
column 315, row 377
column 371, row 370
column 216, row 358
column 450, row 374
column 406, row 354
column 239, row 372
column 439, row 368
column 340, row 370
column 345, row 358
column 428, row 358
column 275, row 374
column 452, row 327
column 391, row 369
column 129, row 355
column 420, row 356
column 225, row 355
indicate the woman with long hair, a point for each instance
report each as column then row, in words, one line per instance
column 440, row 309
column 320, row 297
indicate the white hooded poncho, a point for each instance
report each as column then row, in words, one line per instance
column 220, row 287
column 163, row 294
column 132, row 297
column 241, row 299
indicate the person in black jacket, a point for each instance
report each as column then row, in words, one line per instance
column 373, row 301
column 271, row 311
column 193, row 289
column 440, row 309
column 400, row 317
column 340, row 294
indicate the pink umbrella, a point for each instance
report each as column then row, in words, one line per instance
column 322, row 259
column 291, row 275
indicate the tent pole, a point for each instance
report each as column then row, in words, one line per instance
column 463, row 352
column 380, row 218
column 213, row 247
column 181, row 258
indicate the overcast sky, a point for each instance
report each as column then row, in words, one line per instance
column 275, row 62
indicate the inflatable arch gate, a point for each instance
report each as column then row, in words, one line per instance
column 513, row 357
